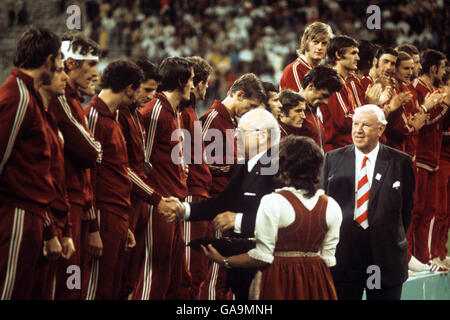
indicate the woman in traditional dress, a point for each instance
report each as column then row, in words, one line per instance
column 296, row 231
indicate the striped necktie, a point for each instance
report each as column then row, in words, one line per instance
column 362, row 196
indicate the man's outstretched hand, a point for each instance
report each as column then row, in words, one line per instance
column 171, row 209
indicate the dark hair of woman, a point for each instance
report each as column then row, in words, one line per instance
column 300, row 163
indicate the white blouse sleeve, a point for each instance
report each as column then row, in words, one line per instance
column 271, row 215
column 334, row 220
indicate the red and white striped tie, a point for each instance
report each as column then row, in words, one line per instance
column 362, row 196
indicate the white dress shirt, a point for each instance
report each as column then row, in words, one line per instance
column 276, row 212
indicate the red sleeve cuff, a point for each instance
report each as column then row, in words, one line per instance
column 50, row 232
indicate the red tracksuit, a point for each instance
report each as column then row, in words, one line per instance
column 442, row 219
column 81, row 152
column 112, row 188
column 218, row 120
column 46, row 278
column 26, row 185
column 134, row 133
column 199, row 181
column 294, row 73
column 165, row 273
column 337, row 115
column 429, row 143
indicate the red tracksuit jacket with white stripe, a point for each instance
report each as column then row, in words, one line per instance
column 134, row 133
column 163, row 143
column 218, row 117
column 199, row 177
column 429, row 139
column 81, row 150
column 337, row 115
column 25, row 149
column 59, row 207
column 294, row 73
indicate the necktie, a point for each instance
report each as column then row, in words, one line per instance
column 362, row 196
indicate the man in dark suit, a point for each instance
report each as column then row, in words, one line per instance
column 374, row 185
column 235, row 208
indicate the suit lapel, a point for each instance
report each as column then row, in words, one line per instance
column 348, row 169
column 381, row 165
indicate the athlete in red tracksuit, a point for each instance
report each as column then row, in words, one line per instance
column 112, row 181
column 199, row 182
column 81, row 152
column 112, row 190
column 46, row 279
column 441, row 223
column 25, row 157
column 165, row 269
column 312, row 50
column 218, row 118
column 133, row 130
column 429, row 143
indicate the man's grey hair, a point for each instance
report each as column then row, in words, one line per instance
column 376, row 109
column 261, row 119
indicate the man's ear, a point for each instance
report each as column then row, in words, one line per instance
column 337, row 56
column 381, row 130
column 310, row 86
column 49, row 61
column 239, row 95
column 129, row 90
column 433, row 69
column 374, row 62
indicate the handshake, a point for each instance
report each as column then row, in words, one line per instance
column 171, row 209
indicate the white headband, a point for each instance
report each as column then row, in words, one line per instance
column 69, row 53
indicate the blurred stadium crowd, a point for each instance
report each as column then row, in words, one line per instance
column 258, row 36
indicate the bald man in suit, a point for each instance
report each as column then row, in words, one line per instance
column 374, row 185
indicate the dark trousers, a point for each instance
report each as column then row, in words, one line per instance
column 352, row 286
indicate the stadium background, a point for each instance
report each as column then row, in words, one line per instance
column 259, row 36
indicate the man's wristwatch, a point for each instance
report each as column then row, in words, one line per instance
column 226, row 263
